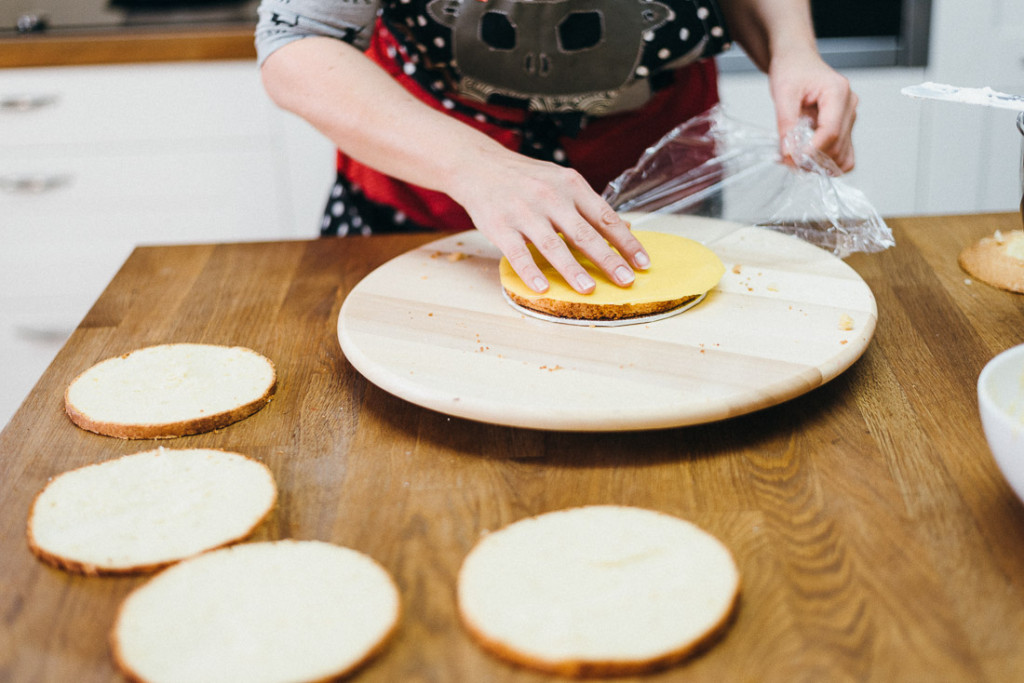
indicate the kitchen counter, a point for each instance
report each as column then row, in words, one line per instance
column 128, row 46
column 876, row 537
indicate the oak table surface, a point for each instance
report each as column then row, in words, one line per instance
column 876, row 537
column 129, row 46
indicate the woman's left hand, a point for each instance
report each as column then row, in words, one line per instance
column 805, row 85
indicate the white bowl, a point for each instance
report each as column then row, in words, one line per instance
column 1001, row 404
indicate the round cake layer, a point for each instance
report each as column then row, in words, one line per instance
column 170, row 390
column 598, row 590
column 681, row 269
column 142, row 511
column 258, row 612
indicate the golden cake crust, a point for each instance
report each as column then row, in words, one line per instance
column 581, row 311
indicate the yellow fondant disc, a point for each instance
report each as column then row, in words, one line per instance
column 680, row 267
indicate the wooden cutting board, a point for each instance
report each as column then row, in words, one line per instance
column 432, row 327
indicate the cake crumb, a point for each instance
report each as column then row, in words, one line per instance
column 451, row 256
column 845, row 322
column 736, row 269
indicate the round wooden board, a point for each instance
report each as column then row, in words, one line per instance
column 431, row 326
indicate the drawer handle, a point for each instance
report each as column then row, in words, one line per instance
column 22, row 103
column 33, row 184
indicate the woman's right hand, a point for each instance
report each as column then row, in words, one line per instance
column 517, row 201
column 513, row 199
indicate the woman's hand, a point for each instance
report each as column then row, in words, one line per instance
column 807, row 86
column 778, row 35
column 516, row 201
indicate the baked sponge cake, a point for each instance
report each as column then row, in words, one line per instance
column 682, row 270
column 257, row 612
column 597, row 591
column 170, row 390
column 143, row 511
column 997, row 260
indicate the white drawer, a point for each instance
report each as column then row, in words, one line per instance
column 43, row 320
column 69, row 240
column 24, row 360
column 154, row 197
column 32, row 331
column 50, row 288
column 118, row 104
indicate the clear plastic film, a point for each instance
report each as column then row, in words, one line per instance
column 715, row 166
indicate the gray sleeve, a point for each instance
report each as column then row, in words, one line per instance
column 285, row 21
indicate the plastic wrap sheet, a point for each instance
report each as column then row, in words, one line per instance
column 715, row 166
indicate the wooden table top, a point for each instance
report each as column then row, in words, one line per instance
column 128, row 46
column 876, row 536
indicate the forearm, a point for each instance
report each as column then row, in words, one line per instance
column 511, row 198
column 369, row 116
column 771, row 30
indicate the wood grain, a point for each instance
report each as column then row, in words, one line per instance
column 128, row 46
column 876, row 537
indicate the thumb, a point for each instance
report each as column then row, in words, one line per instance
column 789, row 107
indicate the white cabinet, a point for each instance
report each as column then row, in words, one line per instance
column 97, row 160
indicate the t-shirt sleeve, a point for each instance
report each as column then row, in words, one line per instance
column 285, row 21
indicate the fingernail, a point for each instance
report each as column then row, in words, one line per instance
column 624, row 275
column 584, row 281
column 540, row 284
column 641, row 259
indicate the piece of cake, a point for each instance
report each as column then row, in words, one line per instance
column 681, row 271
column 170, row 390
column 997, row 260
column 257, row 612
column 598, row 590
column 142, row 511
